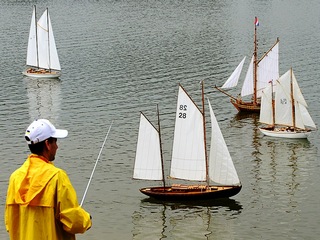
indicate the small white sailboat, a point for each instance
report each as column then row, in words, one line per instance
column 190, row 160
column 259, row 73
column 42, row 56
column 285, row 114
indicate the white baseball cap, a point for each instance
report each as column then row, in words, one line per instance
column 41, row 129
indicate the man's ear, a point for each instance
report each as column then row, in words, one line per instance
column 47, row 144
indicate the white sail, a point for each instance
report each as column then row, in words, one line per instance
column 283, row 107
column 247, row 87
column 188, row 153
column 47, row 52
column 266, row 110
column 283, row 103
column 54, row 59
column 221, row 167
column 32, row 42
column 305, row 115
column 299, row 102
column 234, row 78
column 268, row 69
column 298, row 97
column 148, row 155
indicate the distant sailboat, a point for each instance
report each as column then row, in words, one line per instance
column 286, row 113
column 42, row 56
column 260, row 72
column 189, row 156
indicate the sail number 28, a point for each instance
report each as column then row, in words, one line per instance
column 182, row 111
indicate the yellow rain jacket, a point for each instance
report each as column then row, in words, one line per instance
column 42, row 203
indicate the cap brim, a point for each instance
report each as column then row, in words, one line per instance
column 60, row 133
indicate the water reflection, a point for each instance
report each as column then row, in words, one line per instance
column 279, row 167
column 242, row 115
column 188, row 220
column 285, row 159
column 44, row 98
column 249, row 123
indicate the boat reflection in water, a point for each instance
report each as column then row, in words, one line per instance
column 279, row 174
column 44, row 98
column 275, row 160
column 283, row 164
column 189, row 220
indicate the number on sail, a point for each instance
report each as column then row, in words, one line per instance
column 183, row 114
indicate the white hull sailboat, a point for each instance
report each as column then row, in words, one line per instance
column 42, row 56
column 285, row 113
column 259, row 73
column 189, row 157
column 285, row 133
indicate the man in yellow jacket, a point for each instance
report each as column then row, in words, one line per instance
column 41, row 201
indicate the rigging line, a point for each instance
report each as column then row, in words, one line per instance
column 105, row 139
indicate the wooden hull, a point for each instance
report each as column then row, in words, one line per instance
column 190, row 193
column 42, row 74
column 283, row 133
column 248, row 107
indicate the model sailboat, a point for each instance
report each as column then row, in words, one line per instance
column 42, row 56
column 259, row 73
column 286, row 113
column 189, row 156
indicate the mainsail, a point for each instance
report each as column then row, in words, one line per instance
column 48, row 55
column 188, row 153
column 267, row 70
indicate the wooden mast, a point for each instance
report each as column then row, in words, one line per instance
column 36, row 33
column 292, row 101
column 221, row 90
column 162, row 164
column 255, row 63
column 273, row 106
column 204, row 134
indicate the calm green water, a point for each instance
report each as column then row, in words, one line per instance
column 122, row 57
